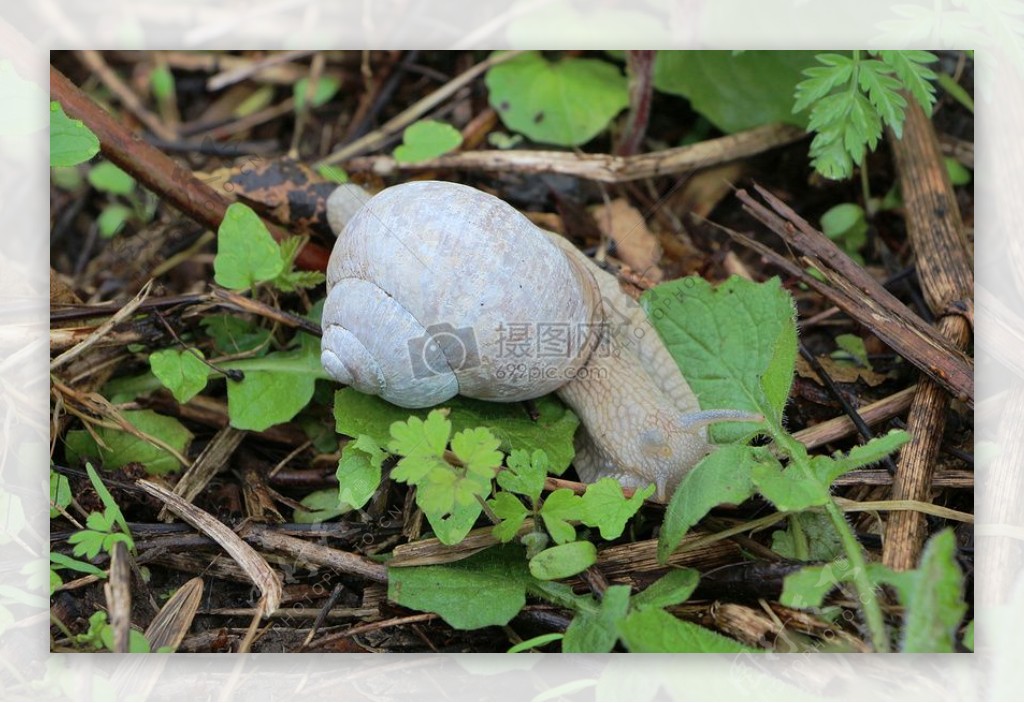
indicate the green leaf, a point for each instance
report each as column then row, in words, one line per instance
column 425, row 140
column 883, row 92
column 183, row 372
column 124, row 448
column 854, row 348
column 359, row 471
column 71, row 142
column 161, row 82
column 525, row 474
column 808, row 587
column 563, row 561
column 356, row 413
column 734, row 91
column 969, row 636
column 108, row 178
column 86, row 543
column 605, row 507
column 65, row 562
column 568, row 102
column 452, row 528
column 653, row 630
column 535, row 642
column 935, row 604
column 724, row 476
column 736, row 343
column 112, row 219
column 671, row 589
column 335, row 174
column 275, row 387
column 597, row 632
column 559, row 508
column 60, row 493
column 916, row 77
column 959, row 175
column 416, row 437
column 485, row 589
column 847, row 225
column 112, row 512
column 320, row 506
column 829, row 469
column 324, row 90
column 477, row 448
column 246, row 253
column 512, row 513
column 234, row 335
column 788, row 489
column 820, row 535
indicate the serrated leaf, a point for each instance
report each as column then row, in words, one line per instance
column 736, row 344
column 605, row 507
column 485, row 589
column 477, row 448
column 596, row 633
column 356, row 413
column 108, row 178
column 512, row 513
column 183, row 372
column 882, row 92
column 123, row 447
column 653, row 630
column 567, row 102
column 414, row 469
column 934, row 604
column 416, row 437
column 359, row 471
column 561, row 506
column 563, row 561
column 71, row 142
column 671, row 589
column 821, row 80
column 788, row 489
column 246, row 253
column 724, row 476
column 829, row 469
column 735, row 91
column 525, row 474
column 822, row 540
column 425, row 140
column 916, row 77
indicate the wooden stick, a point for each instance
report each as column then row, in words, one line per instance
column 945, row 271
column 155, row 170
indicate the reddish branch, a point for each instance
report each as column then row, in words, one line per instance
column 640, row 65
column 167, row 178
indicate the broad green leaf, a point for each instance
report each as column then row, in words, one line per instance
column 356, row 413
column 320, row 506
column 512, row 513
column 359, row 471
column 60, row 492
column 653, row 630
column 724, row 476
column 416, row 437
column 563, row 561
column 123, row 448
column 452, row 528
column 112, row 218
column 71, row 142
column 735, row 91
column 108, row 178
column 567, row 102
column 246, row 253
column 274, row 389
column 808, row 587
column 736, row 344
column 605, row 507
column 425, row 140
column 935, row 605
column 525, row 473
column 183, row 372
column 788, row 489
column 485, row 589
column 324, row 90
column 233, row 335
column 671, row 589
column 559, row 508
column 597, row 632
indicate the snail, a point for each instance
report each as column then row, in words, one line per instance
column 437, row 289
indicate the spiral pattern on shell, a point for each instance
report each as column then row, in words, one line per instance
column 427, row 287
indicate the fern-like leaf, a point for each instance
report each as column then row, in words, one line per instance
column 910, row 68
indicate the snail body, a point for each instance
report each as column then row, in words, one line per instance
column 437, row 289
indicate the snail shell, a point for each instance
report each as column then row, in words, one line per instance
column 429, row 283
